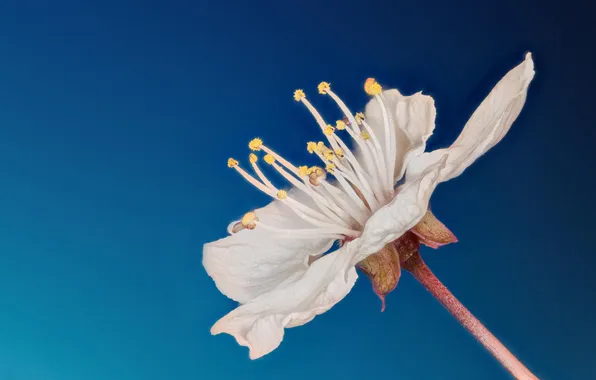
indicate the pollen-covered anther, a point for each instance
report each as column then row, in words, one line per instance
column 232, row 163
column 255, row 144
column 311, row 147
column 324, row 87
column 249, row 220
column 303, row 171
column 298, row 95
column 328, row 130
column 329, row 155
column 340, row 125
column 321, row 146
column 339, row 153
column 372, row 87
column 252, row 158
column 359, row 117
column 269, row 159
column 316, row 175
column 364, row 135
column 330, row 167
column 282, row 194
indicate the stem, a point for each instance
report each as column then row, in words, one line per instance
column 416, row 266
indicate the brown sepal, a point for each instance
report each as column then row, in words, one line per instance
column 432, row 232
column 383, row 268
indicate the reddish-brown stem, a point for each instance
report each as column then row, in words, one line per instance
column 416, row 266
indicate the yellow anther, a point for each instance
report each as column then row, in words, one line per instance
column 328, row 130
column 232, row 163
column 298, row 95
column 255, row 144
column 364, row 135
column 329, row 155
column 340, row 125
column 321, row 146
column 359, row 117
column 252, row 158
column 282, row 194
column 372, row 87
column 315, row 175
column 303, row 171
column 249, row 220
column 339, row 153
column 324, row 87
column 330, row 168
column 269, row 159
column 311, row 147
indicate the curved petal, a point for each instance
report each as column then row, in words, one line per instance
column 401, row 214
column 260, row 323
column 487, row 126
column 412, row 119
column 250, row 263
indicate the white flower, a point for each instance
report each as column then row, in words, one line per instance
column 273, row 262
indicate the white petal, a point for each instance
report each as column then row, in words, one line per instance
column 260, row 323
column 250, row 263
column 487, row 126
column 401, row 214
column 412, row 118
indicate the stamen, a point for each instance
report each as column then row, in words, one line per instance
column 360, row 118
column 350, row 192
column 269, row 158
column 316, row 175
column 324, row 87
column 253, row 160
column 255, row 144
column 282, row 194
column 372, row 87
column 377, row 152
column 329, row 155
column 369, row 161
column 328, row 130
column 319, row 119
column 298, row 94
column 362, row 184
column 389, row 143
column 232, row 163
column 312, row 232
column 337, row 196
column 340, row 125
column 320, row 201
column 279, row 158
column 253, row 181
column 364, row 135
column 249, row 220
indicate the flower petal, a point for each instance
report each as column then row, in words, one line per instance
column 260, row 323
column 250, row 263
column 406, row 209
column 411, row 117
column 487, row 126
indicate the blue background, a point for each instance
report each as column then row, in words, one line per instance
column 117, row 117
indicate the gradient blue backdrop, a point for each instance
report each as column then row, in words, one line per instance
column 117, row 117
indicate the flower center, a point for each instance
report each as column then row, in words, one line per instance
column 364, row 183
